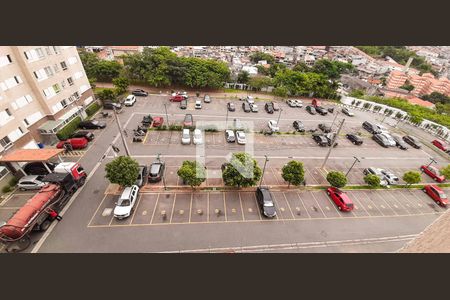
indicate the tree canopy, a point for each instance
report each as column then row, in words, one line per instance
column 242, row 171
column 436, row 97
column 412, row 177
column 257, row 56
column 337, row 179
column 372, row 180
column 123, row 170
column 293, row 172
column 192, row 173
column 102, row 70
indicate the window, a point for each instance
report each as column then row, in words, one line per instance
column 18, row 79
column 47, row 49
column 40, row 53
column 56, row 49
column 70, row 80
column 56, row 68
column 20, row 129
column 63, row 84
column 8, row 112
column 26, row 122
column 78, row 75
column 48, row 71
column 63, row 65
column 5, row 142
column 3, row 172
column 56, row 88
column 72, row 60
column 5, row 60
column 64, row 103
column 76, row 95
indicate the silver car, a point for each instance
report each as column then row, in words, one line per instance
column 31, row 182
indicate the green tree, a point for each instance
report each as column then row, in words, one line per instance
column 121, row 84
column 407, row 86
column 372, row 180
column 301, row 67
column 242, row 171
column 337, row 179
column 243, row 77
column 274, row 68
column 332, row 69
column 192, row 173
column 412, row 177
column 107, row 94
column 259, row 82
column 92, row 81
column 257, row 56
column 90, row 61
column 280, row 91
column 262, row 70
column 123, row 171
column 106, row 70
column 293, row 172
column 445, row 171
column 436, row 97
column 357, row 93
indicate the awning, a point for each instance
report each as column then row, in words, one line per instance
column 50, row 125
column 70, row 113
column 28, row 155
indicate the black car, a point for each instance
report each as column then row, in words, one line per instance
column 372, row 128
column 231, row 106
column 311, row 110
column 325, row 128
column 86, row 134
column 37, row 168
column 265, row 202
column 156, row 171
column 330, row 137
column 246, row 107
column 321, row 110
column 111, row 105
column 147, row 120
column 320, row 139
column 355, row 139
column 92, row 124
column 183, row 104
column 140, row 181
column 140, row 92
column 380, row 139
column 399, row 142
column 269, row 107
column 412, row 141
column 298, row 125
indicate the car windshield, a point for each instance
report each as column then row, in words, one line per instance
column 442, row 195
column 154, row 170
column 123, row 202
column 94, row 122
column 268, row 203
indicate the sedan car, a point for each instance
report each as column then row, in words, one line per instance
column 185, row 137
column 390, row 177
column 311, row 110
column 292, row 103
column 298, row 125
column 139, row 92
column 92, row 124
column 320, row 139
column 156, row 171
column 140, row 181
column 399, row 142
column 273, row 125
column 269, row 107
column 229, row 136
column 198, row 104
column 75, row 143
column 188, row 120
column 249, row 100
column 440, row 144
column 31, row 182
column 198, row 137
column 433, row 173
column 231, row 106
column 413, row 141
column 276, row 106
column 340, row 198
column 377, row 172
column 83, row 134
column 130, row 100
column 380, row 139
column 183, row 104
column 38, row 168
column 240, row 137
column 347, row 112
column 321, row 110
column 207, row 99
column 177, row 98
column 390, row 141
column 246, row 107
column 355, row 139
column 265, row 202
column 324, row 127
column 254, row 107
column 436, row 194
column 157, row 121
column 126, row 202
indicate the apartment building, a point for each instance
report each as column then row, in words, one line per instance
column 42, row 88
column 423, row 85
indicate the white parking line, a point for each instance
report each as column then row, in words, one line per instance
column 289, row 206
column 224, row 207
column 173, row 207
column 242, row 208
column 135, row 210
column 98, row 207
column 303, row 204
column 319, row 206
column 154, row 208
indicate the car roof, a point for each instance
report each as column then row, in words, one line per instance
column 28, row 178
column 185, row 130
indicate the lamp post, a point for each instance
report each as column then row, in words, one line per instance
column 264, row 169
column 432, row 160
column 356, row 160
column 167, row 116
column 121, row 132
column 164, row 174
column 279, row 115
column 332, row 144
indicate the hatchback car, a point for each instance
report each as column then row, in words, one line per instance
column 198, row 104
column 399, row 142
column 31, row 182
column 139, row 92
column 298, row 126
column 76, row 143
column 229, row 136
column 157, row 121
column 83, row 134
column 440, row 144
column 140, row 181
column 207, row 99
column 177, row 98
column 111, row 105
column 183, row 104
column 311, row 110
column 371, row 128
column 413, row 141
column 321, row 110
column 38, row 168
column 92, row 124
column 198, row 137
column 265, row 202
column 324, row 127
column 347, row 112
column 246, row 107
column 156, row 171
column 231, row 106
column 381, row 140
column 126, row 202
column 342, row 201
column 185, row 137
column 320, row 139
column 273, row 125
column 292, row 103
column 130, row 100
column 355, row 139
column 433, row 173
column 254, row 107
column 436, row 194
column 276, row 106
column 240, row 137
column 269, row 107
column 188, row 120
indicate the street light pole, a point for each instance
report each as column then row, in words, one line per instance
column 264, row 170
column 226, row 120
column 356, row 160
column 432, row 160
column 279, row 115
column 164, row 174
column 332, row 144
column 127, row 151
column 334, row 120
column 167, row 116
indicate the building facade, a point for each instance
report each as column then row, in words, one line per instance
column 42, row 88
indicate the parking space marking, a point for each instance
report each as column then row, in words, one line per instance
column 98, row 207
column 371, row 201
column 315, row 199
column 310, row 175
column 275, row 175
column 207, row 205
column 303, row 204
column 411, row 202
column 387, row 203
column 356, row 199
column 394, row 199
column 190, row 208
column 242, row 208
column 257, row 207
column 173, row 207
column 225, row 207
column 289, row 206
column 136, row 208
column 154, row 208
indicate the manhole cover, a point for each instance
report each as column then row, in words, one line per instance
column 107, row 212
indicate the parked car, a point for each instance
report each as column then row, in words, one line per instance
column 156, row 171
column 231, row 106
column 325, row 127
column 198, row 137
column 207, row 99
column 38, row 168
column 371, row 128
column 330, row 137
column 31, row 182
column 76, row 143
column 276, row 106
column 183, row 104
column 440, row 144
column 126, row 202
column 347, row 112
column 433, row 173
column 291, row 103
column 198, row 104
column 436, row 194
column 188, row 120
column 299, row 103
column 83, row 134
column 399, row 142
column 298, row 126
column 139, row 92
column 265, row 202
column 311, row 110
column 130, row 100
column 246, row 107
column 185, row 137
column 413, row 141
column 381, row 140
column 254, row 107
column 320, row 139
column 382, row 129
column 240, row 137
column 377, row 172
column 147, row 120
column 183, row 94
column 390, row 141
column 273, row 125
column 321, row 110
column 229, row 136
column 111, row 105
column 157, row 121
column 92, row 124
column 249, row 100
column 140, row 181
column 390, row 177
column 269, row 107
column 177, row 98
column 342, row 201
column 355, row 139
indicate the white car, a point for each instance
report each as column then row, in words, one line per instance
column 250, row 100
column 390, row 177
column 240, row 137
column 131, row 99
column 389, row 139
column 186, row 137
column 254, row 107
column 198, row 137
column 126, row 202
column 198, row 104
column 273, row 125
column 229, row 136
column 299, row 103
column 31, row 182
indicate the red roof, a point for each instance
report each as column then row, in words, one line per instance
column 418, row 101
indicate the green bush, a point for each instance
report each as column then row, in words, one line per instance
column 175, row 127
column 13, row 181
column 6, row 189
column 92, row 109
column 69, row 129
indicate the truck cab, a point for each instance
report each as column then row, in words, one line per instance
column 74, row 169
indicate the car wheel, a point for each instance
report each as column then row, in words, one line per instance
column 45, row 225
column 339, row 207
column 354, row 143
column 424, row 190
column 328, row 193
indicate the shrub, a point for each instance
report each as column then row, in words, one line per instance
column 372, row 180
column 412, row 177
column 6, row 189
column 336, row 179
column 13, row 181
column 69, row 129
column 93, row 108
column 175, row 127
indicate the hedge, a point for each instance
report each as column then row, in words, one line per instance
column 69, row 129
column 93, row 108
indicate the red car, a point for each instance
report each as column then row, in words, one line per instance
column 188, row 120
column 433, row 173
column 157, row 121
column 440, row 144
column 340, row 198
column 177, row 98
column 77, row 143
column 436, row 194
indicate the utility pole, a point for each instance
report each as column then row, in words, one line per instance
column 432, row 160
column 332, row 144
column 167, row 116
column 127, row 151
column 226, row 121
column 264, row 170
column 334, row 120
column 356, row 160
column 279, row 115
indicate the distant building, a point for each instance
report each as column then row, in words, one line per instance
column 423, row 85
